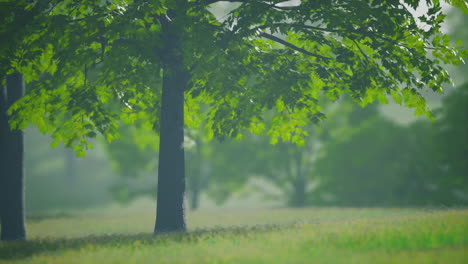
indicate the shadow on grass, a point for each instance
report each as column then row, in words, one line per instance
column 38, row 218
column 24, row 249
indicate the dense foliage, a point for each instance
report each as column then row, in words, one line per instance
column 89, row 53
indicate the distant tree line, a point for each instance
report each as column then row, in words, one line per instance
column 358, row 159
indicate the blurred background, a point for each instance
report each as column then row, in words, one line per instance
column 379, row 156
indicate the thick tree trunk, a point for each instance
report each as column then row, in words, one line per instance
column 170, row 213
column 11, row 174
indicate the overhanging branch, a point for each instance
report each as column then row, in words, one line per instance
column 297, row 25
column 209, row 2
column 362, row 31
column 292, row 46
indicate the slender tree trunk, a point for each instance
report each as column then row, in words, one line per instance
column 170, row 213
column 70, row 166
column 195, row 197
column 12, row 173
column 300, row 194
column 299, row 183
column 197, row 181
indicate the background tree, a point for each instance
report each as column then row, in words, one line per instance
column 49, row 190
column 451, row 141
column 383, row 163
column 290, row 167
column 133, row 157
column 230, row 166
column 287, row 167
column 70, row 165
column 199, row 167
column 363, row 169
column 263, row 55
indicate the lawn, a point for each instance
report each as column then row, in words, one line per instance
column 312, row 235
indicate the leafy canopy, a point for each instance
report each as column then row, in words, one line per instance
column 90, row 64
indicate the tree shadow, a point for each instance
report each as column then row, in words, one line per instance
column 24, row 249
column 39, row 218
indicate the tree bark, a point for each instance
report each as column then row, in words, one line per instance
column 170, row 213
column 11, row 158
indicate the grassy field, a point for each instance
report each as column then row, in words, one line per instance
column 313, row 235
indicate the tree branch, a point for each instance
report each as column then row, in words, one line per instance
column 308, row 27
column 209, row 2
column 292, row 46
column 362, row 52
column 361, row 31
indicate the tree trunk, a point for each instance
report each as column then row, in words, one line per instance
column 70, row 166
column 170, row 213
column 11, row 158
column 299, row 192
column 195, row 197
column 197, row 183
column 299, row 183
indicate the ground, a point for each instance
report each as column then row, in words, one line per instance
column 311, row 235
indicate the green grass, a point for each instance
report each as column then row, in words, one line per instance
column 313, row 235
